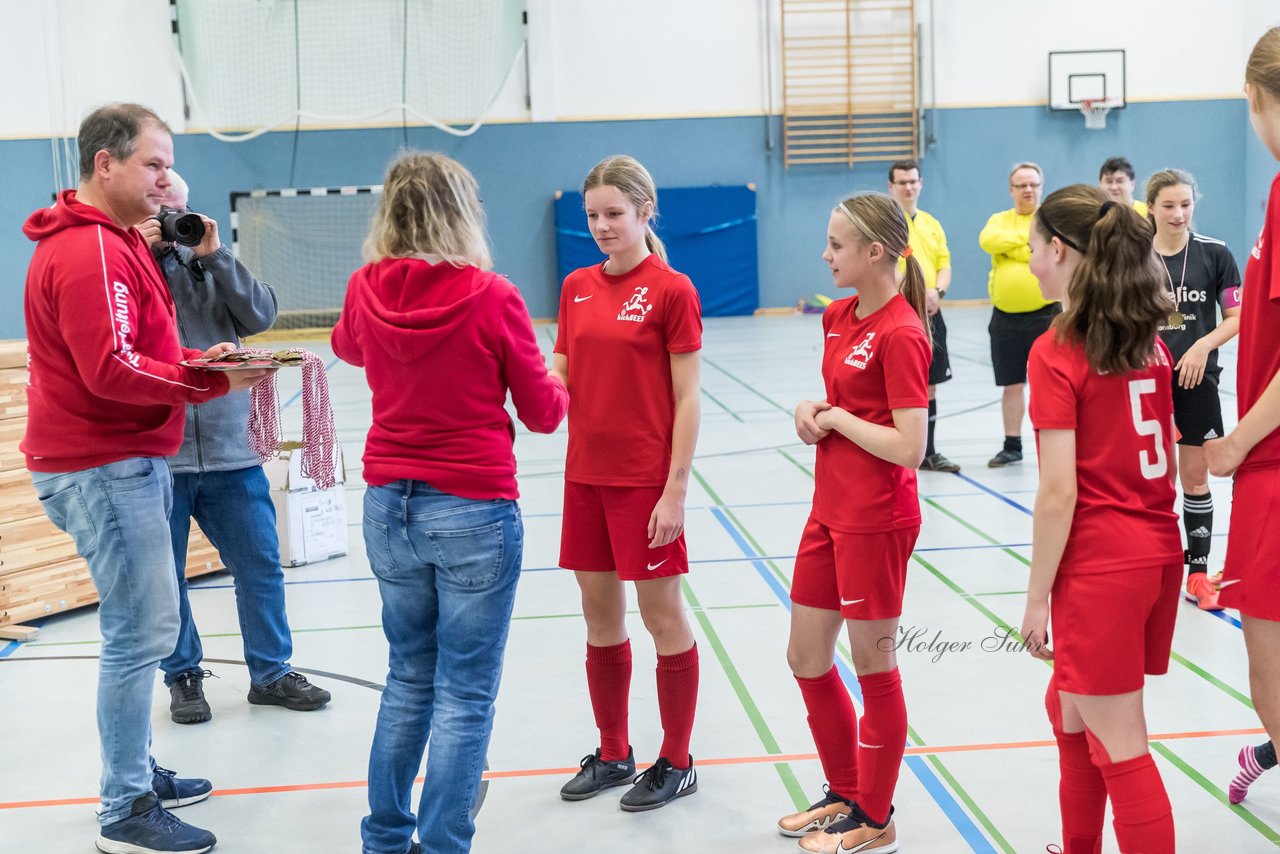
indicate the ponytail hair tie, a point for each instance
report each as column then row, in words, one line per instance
column 1106, row 206
column 906, row 253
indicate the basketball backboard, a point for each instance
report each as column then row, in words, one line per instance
column 1076, row 76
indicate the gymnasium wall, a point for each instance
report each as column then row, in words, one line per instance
column 685, row 87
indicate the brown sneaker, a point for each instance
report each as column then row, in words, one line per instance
column 819, row 816
column 868, row 839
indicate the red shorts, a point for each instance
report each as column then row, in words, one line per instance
column 1251, row 577
column 863, row 576
column 606, row 529
column 1111, row 628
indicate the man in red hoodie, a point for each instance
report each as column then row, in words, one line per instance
column 107, row 400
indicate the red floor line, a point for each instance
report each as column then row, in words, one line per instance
column 726, row 760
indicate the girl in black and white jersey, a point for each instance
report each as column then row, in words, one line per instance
column 1202, row 276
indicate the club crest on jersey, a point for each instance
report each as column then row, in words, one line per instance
column 861, row 353
column 637, row 307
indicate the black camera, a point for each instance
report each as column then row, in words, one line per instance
column 181, row 227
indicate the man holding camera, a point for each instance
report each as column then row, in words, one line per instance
column 217, row 479
column 105, row 397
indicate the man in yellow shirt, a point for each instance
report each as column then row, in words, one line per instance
column 929, row 246
column 1019, row 312
column 1115, row 178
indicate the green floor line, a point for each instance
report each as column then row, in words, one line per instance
column 983, row 534
column 796, row 463
column 1000, row 593
column 843, row 649
column 1181, row 764
column 749, row 388
column 1249, row 818
column 767, row 740
column 720, row 404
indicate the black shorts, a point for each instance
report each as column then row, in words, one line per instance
column 940, row 367
column 1011, row 338
column 1197, row 412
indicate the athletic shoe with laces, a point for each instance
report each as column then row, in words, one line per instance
column 937, row 462
column 187, row 704
column 174, row 791
column 150, row 829
column 1203, row 590
column 292, row 691
column 824, row 841
column 831, row 808
column 660, row 784
column 595, row 775
column 1004, row 458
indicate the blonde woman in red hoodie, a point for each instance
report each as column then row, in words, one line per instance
column 442, row 340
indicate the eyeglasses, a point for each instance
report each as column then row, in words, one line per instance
column 1031, row 186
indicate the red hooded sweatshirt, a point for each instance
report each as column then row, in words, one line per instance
column 440, row 346
column 102, row 345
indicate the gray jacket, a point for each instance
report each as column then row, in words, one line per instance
column 217, row 299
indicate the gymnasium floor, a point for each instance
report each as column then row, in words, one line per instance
column 980, row 775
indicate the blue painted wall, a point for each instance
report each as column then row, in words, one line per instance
column 520, row 166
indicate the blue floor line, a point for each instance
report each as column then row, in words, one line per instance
column 940, row 794
column 1221, row 615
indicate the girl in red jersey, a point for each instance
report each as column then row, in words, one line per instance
column 1106, row 560
column 1251, row 577
column 630, row 331
column 851, row 566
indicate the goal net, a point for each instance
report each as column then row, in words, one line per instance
column 253, row 65
column 306, row 244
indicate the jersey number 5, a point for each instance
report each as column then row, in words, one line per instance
column 1151, row 469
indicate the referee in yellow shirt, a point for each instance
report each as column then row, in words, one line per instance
column 929, row 246
column 1019, row 312
column 1115, row 179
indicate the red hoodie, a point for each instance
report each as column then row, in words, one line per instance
column 102, row 345
column 440, row 346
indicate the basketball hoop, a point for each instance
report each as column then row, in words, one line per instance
column 1095, row 114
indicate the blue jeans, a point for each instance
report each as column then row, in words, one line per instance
column 235, row 512
column 118, row 515
column 447, row 569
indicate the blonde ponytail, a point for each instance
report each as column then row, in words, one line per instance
column 879, row 219
column 627, row 176
column 655, row 244
column 913, row 290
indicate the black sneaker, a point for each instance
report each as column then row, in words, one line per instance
column 174, row 791
column 1004, row 458
column 937, row 462
column 659, row 785
column 292, row 691
column 186, row 698
column 150, row 829
column 597, row 775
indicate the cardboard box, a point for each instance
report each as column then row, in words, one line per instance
column 311, row 522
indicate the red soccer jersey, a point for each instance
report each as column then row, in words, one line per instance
column 618, row 332
column 1124, row 443
column 1259, row 357
column 870, row 367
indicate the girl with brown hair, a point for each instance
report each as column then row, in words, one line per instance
column 1106, row 560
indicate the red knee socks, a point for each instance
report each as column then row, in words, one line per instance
column 881, row 742
column 677, row 702
column 1082, row 795
column 609, row 683
column 834, row 725
column 1143, row 818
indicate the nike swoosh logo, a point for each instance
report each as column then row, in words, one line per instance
column 852, row 601
column 860, row 847
column 833, row 334
column 583, row 299
column 651, row 567
column 870, row 746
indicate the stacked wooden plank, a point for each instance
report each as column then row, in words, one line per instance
column 40, row 573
